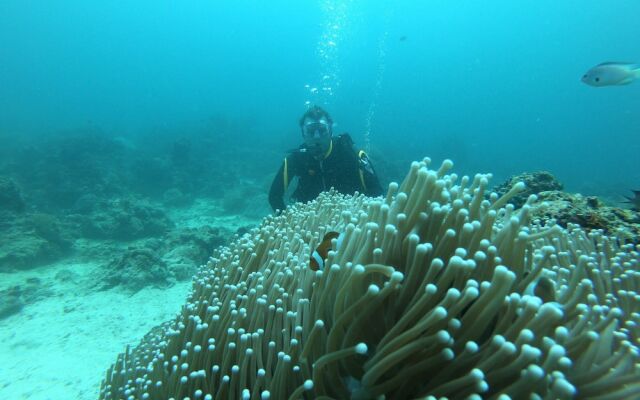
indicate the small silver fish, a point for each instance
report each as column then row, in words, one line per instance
column 612, row 74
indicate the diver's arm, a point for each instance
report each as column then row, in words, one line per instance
column 276, row 194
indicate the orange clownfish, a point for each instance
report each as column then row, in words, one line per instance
column 316, row 261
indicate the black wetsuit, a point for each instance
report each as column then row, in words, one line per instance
column 343, row 168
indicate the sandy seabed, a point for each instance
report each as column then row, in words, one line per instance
column 61, row 347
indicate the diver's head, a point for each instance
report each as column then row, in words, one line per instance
column 316, row 127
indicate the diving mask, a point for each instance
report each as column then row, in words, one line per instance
column 316, row 130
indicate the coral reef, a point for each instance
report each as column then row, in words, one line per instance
column 160, row 262
column 58, row 169
column 19, row 252
column 247, row 198
column 81, row 171
column 126, row 219
column 136, row 268
column 588, row 212
column 175, row 198
column 192, row 246
column 31, row 240
column 50, row 228
column 14, row 298
column 10, row 196
column 433, row 291
column 87, row 204
column 535, row 182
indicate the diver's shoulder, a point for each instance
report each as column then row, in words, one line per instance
column 344, row 138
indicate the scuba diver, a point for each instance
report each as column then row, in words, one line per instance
column 322, row 162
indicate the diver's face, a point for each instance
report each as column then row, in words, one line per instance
column 316, row 133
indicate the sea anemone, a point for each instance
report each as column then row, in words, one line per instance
column 434, row 292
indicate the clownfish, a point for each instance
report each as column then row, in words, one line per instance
column 316, row 261
column 544, row 289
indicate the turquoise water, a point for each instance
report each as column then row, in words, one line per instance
column 495, row 86
column 142, row 135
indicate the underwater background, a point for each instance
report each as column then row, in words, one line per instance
column 146, row 134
